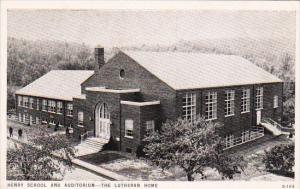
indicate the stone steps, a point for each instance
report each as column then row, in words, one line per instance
column 90, row 145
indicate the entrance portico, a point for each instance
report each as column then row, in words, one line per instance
column 102, row 121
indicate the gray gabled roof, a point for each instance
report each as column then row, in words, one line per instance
column 57, row 84
column 182, row 70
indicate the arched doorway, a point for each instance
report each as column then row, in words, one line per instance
column 102, row 121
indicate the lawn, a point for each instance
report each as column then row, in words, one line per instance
column 141, row 169
column 28, row 130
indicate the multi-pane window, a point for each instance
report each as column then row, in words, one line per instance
column 59, row 107
column 20, row 102
column 211, row 106
column 51, row 106
column 44, row 105
column 31, row 102
column 80, row 118
column 51, row 122
column 229, row 102
column 129, row 128
column 37, row 120
column 189, row 106
column 20, row 117
column 150, row 127
column 275, row 102
column 245, row 101
column 37, row 104
column 245, row 136
column 69, row 109
column 25, row 101
column 229, row 141
column 259, row 98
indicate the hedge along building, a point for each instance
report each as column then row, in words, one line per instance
column 135, row 92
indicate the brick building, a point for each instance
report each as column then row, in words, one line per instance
column 135, row 92
column 49, row 99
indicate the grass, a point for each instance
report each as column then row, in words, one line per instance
column 100, row 158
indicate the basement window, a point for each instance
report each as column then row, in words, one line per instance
column 122, row 74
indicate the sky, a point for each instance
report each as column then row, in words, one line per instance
column 124, row 28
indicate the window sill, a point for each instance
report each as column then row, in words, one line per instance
column 131, row 137
column 229, row 115
column 69, row 115
column 259, row 109
column 245, row 112
column 80, row 126
column 211, row 119
column 59, row 113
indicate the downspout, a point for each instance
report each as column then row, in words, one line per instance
column 253, row 107
column 120, row 125
column 281, row 102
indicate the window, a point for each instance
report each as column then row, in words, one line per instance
column 20, row 117
column 211, row 106
column 26, row 118
column 150, row 127
column 25, row 101
column 122, row 74
column 51, row 122
column 37, row 104
column 30, row 120
column 51, row 106
column 275, row 102
column 245, row 101
column 189, row 106
column 44, row 107
column 20, row 102
column 229, row 102
column 37, row 120
column 129, row 128
column 69, row 109
column 44, row 121
column 259, row 98
column 59, row 107
column 229, row 141
column 245, row 136
column 31, row 103
column 80, row 118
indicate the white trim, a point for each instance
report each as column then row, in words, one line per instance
column 83, row 97
column 140, row 103
column 45, row 96
column 103, row 89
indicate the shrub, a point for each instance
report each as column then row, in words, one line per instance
column 280, row 159
column 140, row 151
column 111, row 145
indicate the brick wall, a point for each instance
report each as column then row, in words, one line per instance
column 239, row 121
column 44, row 115
column 135, row 77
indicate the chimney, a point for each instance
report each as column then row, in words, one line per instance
column 99, row 57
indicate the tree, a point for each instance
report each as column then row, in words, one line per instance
column 191, row 145
column 39, row 158
column 280, row 158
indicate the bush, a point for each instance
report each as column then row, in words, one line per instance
column 140, row 151
column 280, row 159
column 111, row 145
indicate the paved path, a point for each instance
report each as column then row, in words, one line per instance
column 258, row 146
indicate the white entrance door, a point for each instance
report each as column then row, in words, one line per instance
column 258, row 117
column 102, row 121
